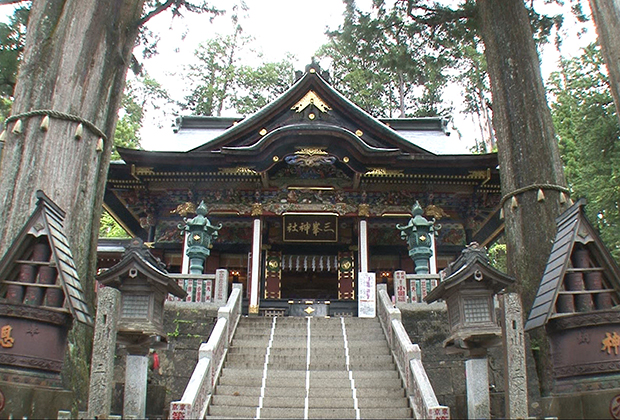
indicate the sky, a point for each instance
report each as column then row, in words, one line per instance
column 279, row 27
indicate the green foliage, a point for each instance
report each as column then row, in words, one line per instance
column 12, row 40
column 140, row 92
column 497, row 256
column 218, row 82
column 381, row 60
column 109, row 228
column 255, row 87
column 587, row 126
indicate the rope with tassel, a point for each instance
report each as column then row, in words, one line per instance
column 540, row 195
column 46, row 114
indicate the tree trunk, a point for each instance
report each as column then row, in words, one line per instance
column 606, row 14
column 527, row 148
column 75, row 61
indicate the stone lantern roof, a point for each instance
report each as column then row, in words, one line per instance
column 472, row 266
column 138, row 257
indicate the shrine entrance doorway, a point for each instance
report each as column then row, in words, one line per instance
column 299, row 281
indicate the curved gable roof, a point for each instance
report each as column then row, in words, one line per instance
column 332, row 113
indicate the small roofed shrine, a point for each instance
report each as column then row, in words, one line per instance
column 40, row 297
column 577, row 303
column 308, row 191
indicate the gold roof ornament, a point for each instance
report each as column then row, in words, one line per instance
column 311, row 98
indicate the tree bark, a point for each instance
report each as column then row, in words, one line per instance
column 527, row 148
column 75, row 61
column 606, row 15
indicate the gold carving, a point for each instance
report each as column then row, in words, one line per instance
column 359, row 133
column 253, row 309
column 185, row 209
column 6, row 340
column 435, row 211
column 263, row 132
column 363, row 210
column 311, row 98
column 257, row 209
column 239, row 170
column 311, row 151
column 384, row 172
column 611, row 341
column 309, row 310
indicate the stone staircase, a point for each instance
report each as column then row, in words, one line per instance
column 309, row 368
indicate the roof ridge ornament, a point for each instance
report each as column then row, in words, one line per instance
column 311, row 98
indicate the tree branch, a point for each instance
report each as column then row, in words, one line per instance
column 154, row 12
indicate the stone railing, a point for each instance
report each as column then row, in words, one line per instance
column 409, row 361
column 211, row 355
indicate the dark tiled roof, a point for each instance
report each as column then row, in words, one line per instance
column 573, row 227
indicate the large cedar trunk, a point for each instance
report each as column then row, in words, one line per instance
column 606, row 14
column 75, row 61
column 527, row 147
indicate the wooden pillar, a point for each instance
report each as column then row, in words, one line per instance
column 255, row 274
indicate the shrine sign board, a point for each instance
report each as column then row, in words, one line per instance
column 310, row 227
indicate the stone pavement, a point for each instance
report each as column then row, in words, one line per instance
column 309, row 368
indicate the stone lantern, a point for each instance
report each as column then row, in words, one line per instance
column 144, row 286
column 201, row 233
column 468, row 287
column 418, row 233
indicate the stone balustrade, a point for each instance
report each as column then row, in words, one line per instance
column 408, row 358
column 211, row 355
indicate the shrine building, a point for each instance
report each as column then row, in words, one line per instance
column 308, row 191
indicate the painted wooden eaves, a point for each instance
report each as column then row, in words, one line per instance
column 48, row 220
column 573, row 227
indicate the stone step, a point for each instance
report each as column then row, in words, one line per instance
column 358, row 374
column 315, row 381
column 383, row 393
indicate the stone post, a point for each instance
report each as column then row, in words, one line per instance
column 136, row 371
column 221, row 287
column 477, row 382
column 104, row 349
column 363, row 245
column 515, row 372
column 255, row 275
column 400, row 287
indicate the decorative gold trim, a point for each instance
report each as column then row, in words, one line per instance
column 345, row 159
column 263, row 132
column 359, row 133
column 239, row 170
column 384, row 172
column 311, row 98
column 253, row 309
column 275, row 158
column 363, row 210
column 257, row 209
column 311, row 151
